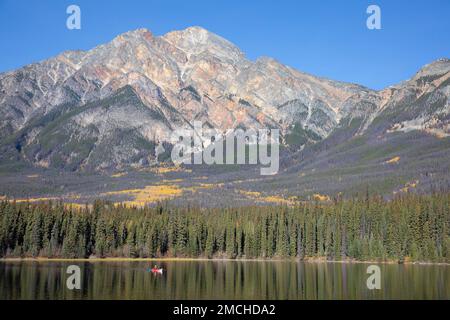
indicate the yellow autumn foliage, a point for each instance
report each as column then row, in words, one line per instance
column 33, row 200
column 257, row 196
column 118, row 175
column 393, row 160
column 320, row 197
column 149, row 194
column 164, row 170
column 250, row 194
column 408, row 186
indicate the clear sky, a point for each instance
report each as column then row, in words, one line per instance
column 326, row 38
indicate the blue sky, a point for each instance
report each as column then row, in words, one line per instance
column 326, row 38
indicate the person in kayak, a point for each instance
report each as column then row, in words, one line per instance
column 156, row 269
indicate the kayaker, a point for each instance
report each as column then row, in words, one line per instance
column 156, row 269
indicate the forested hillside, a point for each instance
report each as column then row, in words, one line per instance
column 412, row 228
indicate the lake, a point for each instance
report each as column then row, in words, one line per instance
column 221, row 280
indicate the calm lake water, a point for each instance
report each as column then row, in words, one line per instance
column 222, row 280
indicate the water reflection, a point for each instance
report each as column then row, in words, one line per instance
column 222, row 280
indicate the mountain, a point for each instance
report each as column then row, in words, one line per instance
column 180, row 77
column 107, row 108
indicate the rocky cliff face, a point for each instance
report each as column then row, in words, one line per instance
column 107, row 107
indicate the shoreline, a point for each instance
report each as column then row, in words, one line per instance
column 308, row 260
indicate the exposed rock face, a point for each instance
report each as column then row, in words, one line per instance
column 106, row 108
column 421, row 103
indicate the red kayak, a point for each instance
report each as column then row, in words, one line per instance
column 157, row 270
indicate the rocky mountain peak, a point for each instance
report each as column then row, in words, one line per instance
column 434, row 69
column 141, row 34
column 197, row 40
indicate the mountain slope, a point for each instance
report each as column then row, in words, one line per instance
column 107, row 108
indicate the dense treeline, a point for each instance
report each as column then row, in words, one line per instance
column 411, row 227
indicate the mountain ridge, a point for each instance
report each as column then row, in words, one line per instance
column 194, row 74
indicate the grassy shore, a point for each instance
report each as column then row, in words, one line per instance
column 306, row 260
